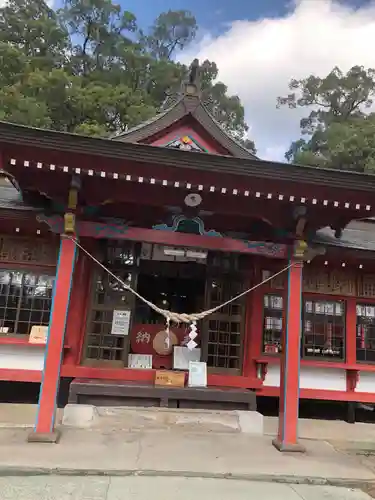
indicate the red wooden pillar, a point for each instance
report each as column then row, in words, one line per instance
column 287, row 438
column 45, row 422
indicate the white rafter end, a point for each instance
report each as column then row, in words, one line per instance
column 246, row 193
column 281, row 197
column 357, row 207
column 368, row 207
column 128, row 178
column 335, row 203
column 176, row 184
column 140, row 179
column 52, row 167
column 325, row 202
column 102, row 174
column 235, row 191
column 152, row 181
column 291, row 198
column 303, row 200
column 200, row 187
column 77, row 170
column 13, row 161
column 223, row 190
column 347, row 205
column 165, row 183
column 38, row 231
column 26, row 163
column 115, row 176
column 188, row 185
column 91, row 172
column 39, row 165
column 212, row 189
column 257, row 194
column 269, row 196
column 315, row 201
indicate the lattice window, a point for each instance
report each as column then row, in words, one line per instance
column 225, row 327
column 366, row 286
column 325, row 282
column 25, row 250
column 109, row 295
column 277, row 283
column 323, row 329
column 25, row 301
column 343, row 283
column 272, row 324
column 365, row 338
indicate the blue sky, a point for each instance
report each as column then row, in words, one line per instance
column 214, row 15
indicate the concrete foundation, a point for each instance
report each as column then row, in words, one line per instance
column 81, row 416
column 137, row 419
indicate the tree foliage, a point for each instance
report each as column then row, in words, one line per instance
column 88, row 68
column 340, row 127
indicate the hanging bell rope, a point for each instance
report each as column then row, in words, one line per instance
column 171, row 316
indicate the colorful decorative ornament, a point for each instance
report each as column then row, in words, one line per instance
column 185, row 143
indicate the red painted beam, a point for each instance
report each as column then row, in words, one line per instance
column 165, row 237
column 326, row 395
column 15, row 375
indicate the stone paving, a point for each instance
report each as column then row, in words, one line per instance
column 162, row 488
column 181, row 453
column 337, row 454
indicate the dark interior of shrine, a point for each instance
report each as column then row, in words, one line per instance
column 176, row 293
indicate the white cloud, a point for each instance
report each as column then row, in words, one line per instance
column 257, row 59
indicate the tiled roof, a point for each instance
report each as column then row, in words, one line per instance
column 184, row 106
column 358, row 236
column 10, row 198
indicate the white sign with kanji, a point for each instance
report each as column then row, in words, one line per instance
column 120, row 323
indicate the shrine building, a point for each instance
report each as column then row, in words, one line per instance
column 186, row 216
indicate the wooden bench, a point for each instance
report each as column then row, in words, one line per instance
column 123, row 393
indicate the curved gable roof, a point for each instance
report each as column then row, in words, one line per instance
column 186, row 105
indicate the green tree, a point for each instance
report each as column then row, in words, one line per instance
column 339, row 126
column 227, row 109
column 89, row 69
column 33, row 28
column 171, row 31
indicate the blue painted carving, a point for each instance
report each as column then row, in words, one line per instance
column 268, row 248
column 110, row 228
column 55, row 222
column 90, row 210
column 182, row 224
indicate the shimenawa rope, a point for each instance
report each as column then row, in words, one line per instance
column 171, row 316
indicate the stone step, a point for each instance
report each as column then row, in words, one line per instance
column 162, row 419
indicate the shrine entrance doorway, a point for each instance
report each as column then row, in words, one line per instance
column 179, row 279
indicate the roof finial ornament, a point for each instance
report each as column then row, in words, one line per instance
column 193, row 84
column 194, row 72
